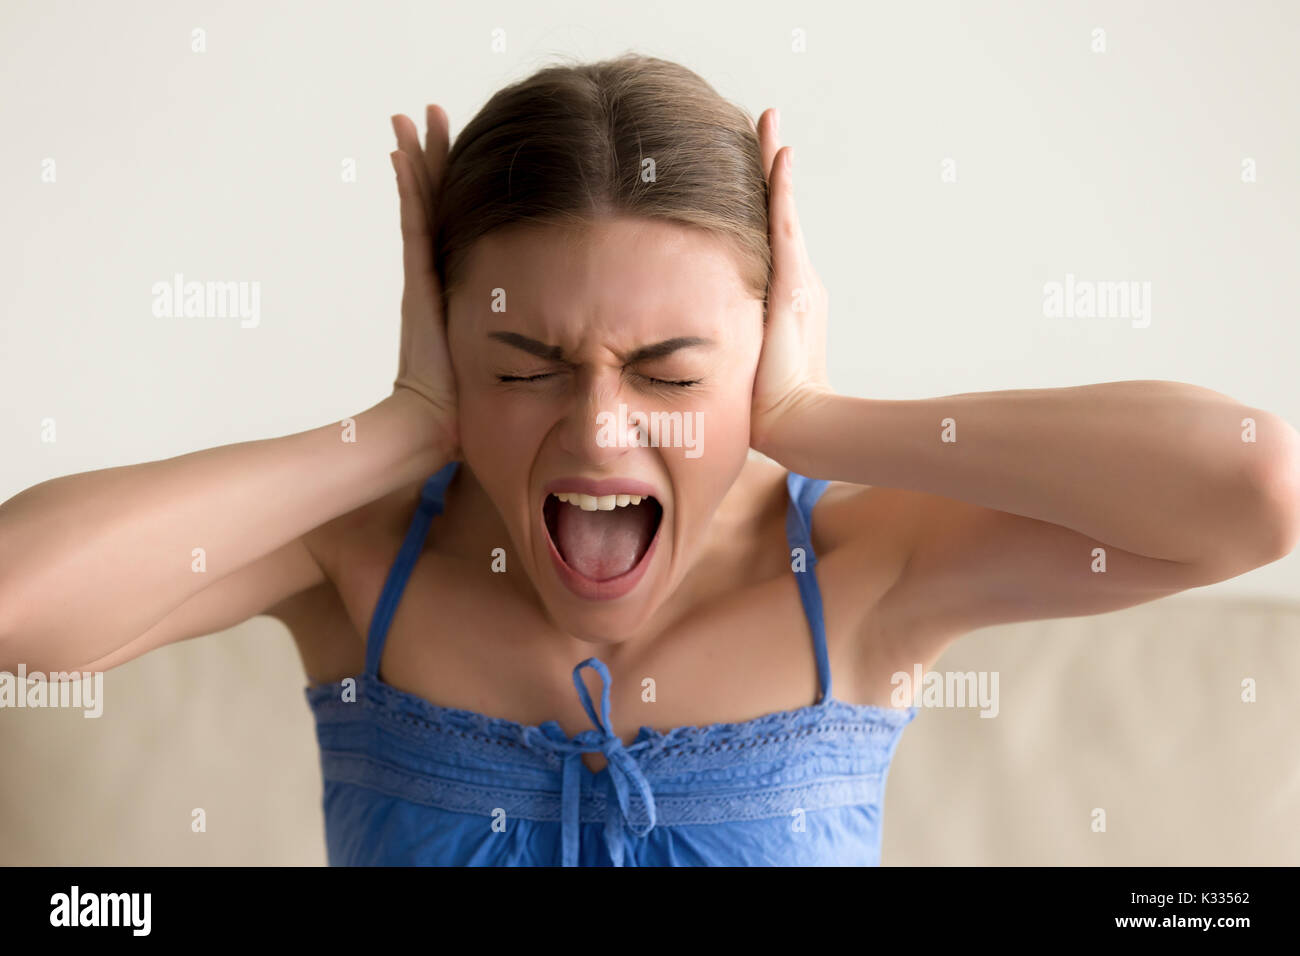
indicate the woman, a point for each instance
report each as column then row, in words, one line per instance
column 608, row 304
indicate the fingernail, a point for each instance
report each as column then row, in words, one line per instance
column 789, row 159
column 776, row 120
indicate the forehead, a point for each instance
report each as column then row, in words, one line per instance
column 632, row 275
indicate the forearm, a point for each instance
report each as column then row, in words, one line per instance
column 80, row 551
column 1155, row 468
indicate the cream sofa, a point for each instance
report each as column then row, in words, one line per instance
column 1137, row 713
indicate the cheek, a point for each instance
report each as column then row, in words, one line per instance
column 722, row 433
column 500, row 439
column 728, row 449
column 730, row 409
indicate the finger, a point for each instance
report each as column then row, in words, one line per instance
column 417, row 244
column 408, row 141
column 785, row 236
column 436, row 142
column 769, row 139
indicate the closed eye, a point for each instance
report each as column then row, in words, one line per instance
column 687, row 383
column 683, row 383
column 523, row 378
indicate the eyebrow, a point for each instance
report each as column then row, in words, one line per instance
column 645, row 353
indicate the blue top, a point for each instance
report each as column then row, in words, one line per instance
column 407, row 782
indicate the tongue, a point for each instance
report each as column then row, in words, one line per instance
column 603, row 544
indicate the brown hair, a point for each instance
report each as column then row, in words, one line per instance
column 567, row 145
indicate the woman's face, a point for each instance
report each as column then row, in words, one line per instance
column 598, row 364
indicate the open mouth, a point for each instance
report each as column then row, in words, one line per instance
column 600, row 538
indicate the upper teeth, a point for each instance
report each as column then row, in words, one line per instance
column 601, row 503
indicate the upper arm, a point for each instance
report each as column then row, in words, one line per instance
column 960, row 567
column 244, row 593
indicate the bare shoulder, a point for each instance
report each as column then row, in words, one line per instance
column 853, row 521
column 865, row 537
column 859, row 520
column 355, row 550
column 364, row 533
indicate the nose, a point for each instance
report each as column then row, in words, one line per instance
column 599, row 426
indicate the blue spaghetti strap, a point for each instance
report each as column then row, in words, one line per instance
column 430, row 504
column 804, row 493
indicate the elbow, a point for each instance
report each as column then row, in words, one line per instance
column 8, row 651
column 11, row 623
column 7, row 626
column 1274, row 484
column 8, row 636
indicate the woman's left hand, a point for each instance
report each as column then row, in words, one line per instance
column 791, row 373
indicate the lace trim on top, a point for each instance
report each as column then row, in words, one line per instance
column 828, row 754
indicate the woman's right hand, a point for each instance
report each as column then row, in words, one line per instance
column 424, row 363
